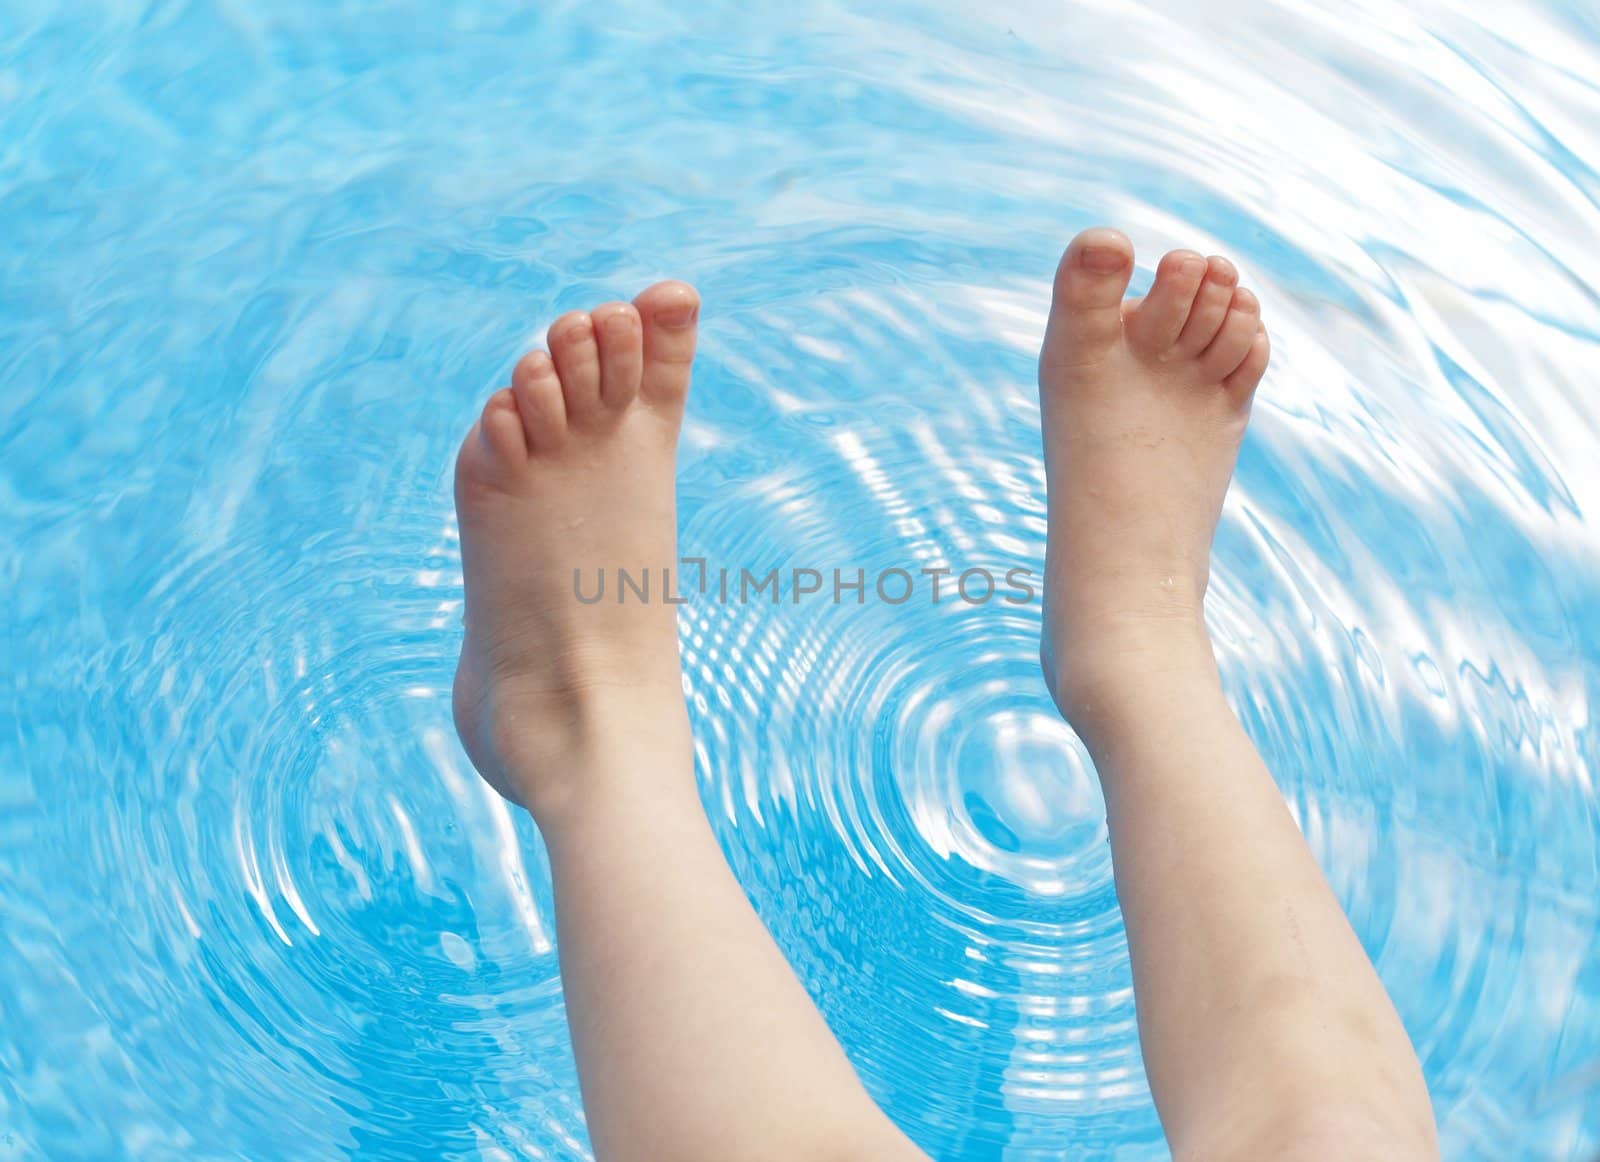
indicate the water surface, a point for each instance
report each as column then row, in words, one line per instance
column 259, row 266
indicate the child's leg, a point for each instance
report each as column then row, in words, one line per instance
column 1266, row 1032
column 693, row 1038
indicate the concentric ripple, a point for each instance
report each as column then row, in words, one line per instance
column 260, row 266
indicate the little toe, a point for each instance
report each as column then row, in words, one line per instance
column 1210, row 307
column 1233, row 340
column 577, row 360
column 1247, row 375
column 500, row 428
column 668, row 312
column 1086, row 306
column 537, row 391
column 494, row 452
column 619, row 333
column 1155, row 324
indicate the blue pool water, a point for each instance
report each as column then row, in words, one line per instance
column 259, row 265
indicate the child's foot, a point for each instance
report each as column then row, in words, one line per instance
column 569, row 469
column 1144, row 404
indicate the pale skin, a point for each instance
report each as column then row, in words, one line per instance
column 1265, row 1030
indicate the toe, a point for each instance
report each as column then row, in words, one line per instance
column 1210, row 307
column 537, row 392
column 500, row 428
column 619, row 334
column 1155, row 324
column 1233, row 340
column 1248, row 374
column 668, row 312
column 494, row 451
column 577, row 360
column 1086, row 310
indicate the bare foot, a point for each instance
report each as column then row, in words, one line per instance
column 572, row 468
column 1144, row 403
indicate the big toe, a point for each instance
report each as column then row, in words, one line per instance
column 669, row 312
column 1086, row 311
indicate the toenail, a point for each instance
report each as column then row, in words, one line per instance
column 1103, row 259
column 1193, row 267
column 676, row 316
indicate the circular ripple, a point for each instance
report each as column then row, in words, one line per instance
column 904, row 760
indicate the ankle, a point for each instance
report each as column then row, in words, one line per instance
column 1124, row 670
column 549, row 748
column 624, row 736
